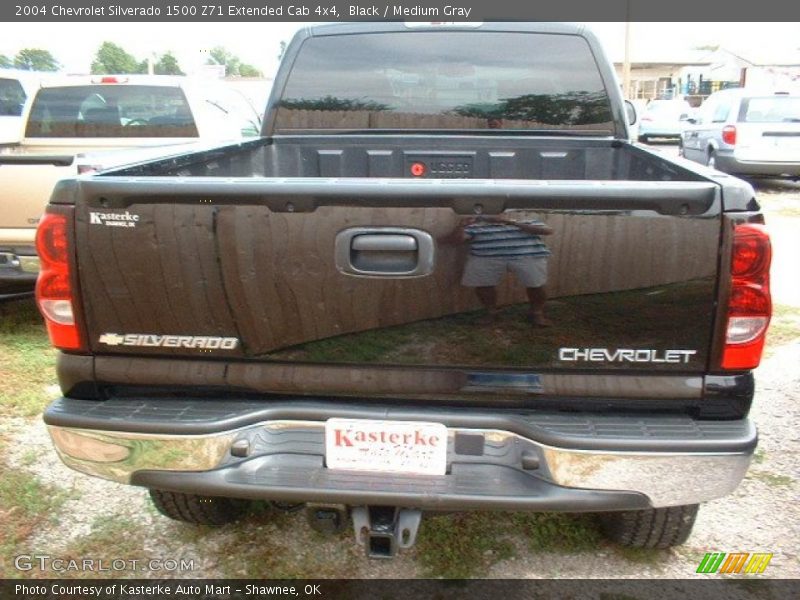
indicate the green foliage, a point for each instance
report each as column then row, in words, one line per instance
column 35, row 59
column 28, row 366
column 167, row 65
column 25, row 503
column 234, row 67
column 113, row 59
column 573, row 108
column 5, row 62
column 333, row 103
column 468, row 544
column 246, row 70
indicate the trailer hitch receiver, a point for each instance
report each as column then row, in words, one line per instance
column 383, row 530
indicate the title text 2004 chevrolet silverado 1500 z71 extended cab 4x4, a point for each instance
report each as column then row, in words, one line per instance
column 351, row 311
column 81, row 124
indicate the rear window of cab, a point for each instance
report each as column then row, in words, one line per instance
column 110, row 111
column 445, row 80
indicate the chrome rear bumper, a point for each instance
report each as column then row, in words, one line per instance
column 567, row 462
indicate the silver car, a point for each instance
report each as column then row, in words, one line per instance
column 745, row 132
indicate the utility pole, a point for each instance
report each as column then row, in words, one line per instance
column 626, row 65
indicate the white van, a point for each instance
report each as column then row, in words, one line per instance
column 746, row 132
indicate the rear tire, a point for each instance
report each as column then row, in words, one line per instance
column 711, row 159
column 199, row 510
column 644, row 139
column 653, row 528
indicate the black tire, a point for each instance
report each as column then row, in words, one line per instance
column 711, row 158
column 644, row 139
column 653, row 528
column 199, row 510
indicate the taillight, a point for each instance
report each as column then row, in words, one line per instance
column 729, row 135
column 749, row 303
column 54, row 294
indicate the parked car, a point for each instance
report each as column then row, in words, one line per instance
column 663, row 119
column 745, row 132
column 17, row 89
column 327, row 314
column 80, row 124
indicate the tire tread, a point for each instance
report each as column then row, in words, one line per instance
column 199, row 510
column 656, row 528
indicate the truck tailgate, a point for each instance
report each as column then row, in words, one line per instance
column 274, row 273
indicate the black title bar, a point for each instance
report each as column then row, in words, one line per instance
column 422, row 10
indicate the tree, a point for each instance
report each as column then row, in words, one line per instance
column 233, row 65
column 5, row 62
column 35, row 59
column 112, row 59
column 246, row 70
column 220, row 56
column 167, row 65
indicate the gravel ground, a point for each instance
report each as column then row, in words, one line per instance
column 761, row 516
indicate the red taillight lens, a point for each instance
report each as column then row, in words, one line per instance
column 729, row 135
column 54, row 294
column 749, row 303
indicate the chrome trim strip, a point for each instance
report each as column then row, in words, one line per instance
column 666, row 478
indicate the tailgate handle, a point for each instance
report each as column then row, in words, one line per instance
column 384, row 252
column 386, row 242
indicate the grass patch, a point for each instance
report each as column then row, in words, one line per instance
column 771, row 479
column 273, row 544
column 28, row 365
column 112, row 538
column 468, row 544
column 25, row 503
column 759, row 457
column 784, row 326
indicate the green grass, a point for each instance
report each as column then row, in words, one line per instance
column 28, row 365
column 784, row 326
column 112, row 537
column 25, row 504
column 272, row 544
column 468, row 544
column 771, row 479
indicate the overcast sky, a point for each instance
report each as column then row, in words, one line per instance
column 74, row 44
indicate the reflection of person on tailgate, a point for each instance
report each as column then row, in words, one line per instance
column 498, row 245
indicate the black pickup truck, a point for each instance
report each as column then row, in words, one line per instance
column 443, row 279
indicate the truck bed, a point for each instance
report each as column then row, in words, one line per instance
column 454, row 157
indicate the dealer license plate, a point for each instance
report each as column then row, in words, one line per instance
column 386, row 446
